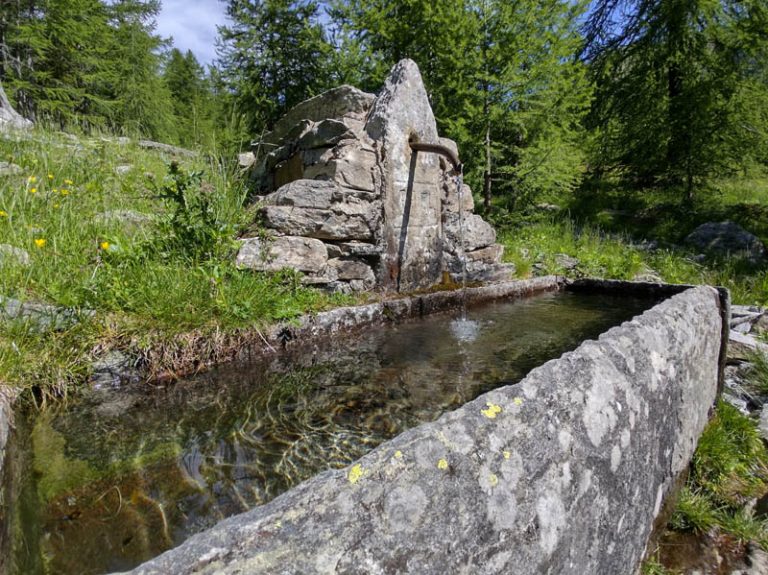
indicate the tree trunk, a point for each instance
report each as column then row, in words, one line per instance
column 487, row 172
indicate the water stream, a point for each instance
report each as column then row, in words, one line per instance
column 113, row 480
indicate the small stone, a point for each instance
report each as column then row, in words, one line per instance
column 742, row 346
column 246, row 159
column 12, row 255
column 123, row 169
column 113, row 369
column 566, row 262
column 352, row 269
column 726, row 239
column 9, row 169
column 303, row 254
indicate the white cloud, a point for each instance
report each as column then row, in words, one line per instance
column 192, row 24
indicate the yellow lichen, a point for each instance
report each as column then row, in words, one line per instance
column 493, row 480
column 507, row 455
column 442, row 464
column 399, row 454
column 355, row 473
column 492, row 411
column 518, row 401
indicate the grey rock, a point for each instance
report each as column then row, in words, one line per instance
column 727, row 239
column 353, row 269
column 342, row 103
column 762, row 426
column 452, row 201
column 41, row 317
column 347, row 221
column 402, row 113
column 10, row 118
column 477, row 232
column 9, row 169
column 545, row 207
column 564, row 472
column 359, row 249
column 490, row 255
column 742, row 346
column 12, row 255
column 167, row 148
column 647, row 274
column 305, row 194
column 114, row 369
column 350, row 166
column 566, row 262
column 246, row 160
column 123, row 169
column 324, row 134
column 299, row 253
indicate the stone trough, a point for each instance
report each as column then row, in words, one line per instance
column 564, row 472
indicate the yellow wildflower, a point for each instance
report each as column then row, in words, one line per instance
column 399, row 454
column 507, row 455
column 69, row 182
column 104, row 245
column 518, row 401
column 442, row 464
column 3, row 214
column 50, row 176
column 32, row 179
column 40, row 242
column 493, row 481
column 64, row 192
column 32, row 190
column 492, row 411
column 56, row 205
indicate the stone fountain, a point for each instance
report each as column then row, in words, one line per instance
column 343, row 201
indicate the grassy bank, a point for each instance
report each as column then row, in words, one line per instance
column 143, row 241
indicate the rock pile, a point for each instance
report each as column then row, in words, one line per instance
column 746, row 343
column 344, row 200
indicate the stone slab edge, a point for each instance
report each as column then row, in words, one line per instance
column 562, row 473
column 652, row 289
column 311, row 327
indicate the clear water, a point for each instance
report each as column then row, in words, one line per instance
column 115, row 480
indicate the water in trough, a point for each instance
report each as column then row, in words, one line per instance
column 102, row 486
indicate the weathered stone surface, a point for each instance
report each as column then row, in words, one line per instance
column 451, row 200
column 305, row 194
column 360, row 249
column 727, row 239
column 9, row 169
column 299, row 253
column 561, row 473
column 7, row 397
column 12, row 255
column 412, row 258
column 114, row 369
column 566, row 262
column 351, row 166
column 288, row 171
column 246, row 159
column 41, row 317
column 352, row 269
column 344, row 102
column 345, row 221
column 742, row 346
column 167, row 148
column 477, row 232
column 490, row 255
column 10, row 118
column 324, row 134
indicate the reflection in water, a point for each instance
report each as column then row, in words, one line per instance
column 119, row 479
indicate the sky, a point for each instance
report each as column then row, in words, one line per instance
column 192, row 24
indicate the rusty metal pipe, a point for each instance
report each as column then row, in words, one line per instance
column 439, row 149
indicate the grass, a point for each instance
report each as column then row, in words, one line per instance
column 165, row 273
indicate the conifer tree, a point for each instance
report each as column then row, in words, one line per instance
column 274, row 55
column 681, row 87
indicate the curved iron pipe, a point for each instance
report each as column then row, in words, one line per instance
column 439, row 149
